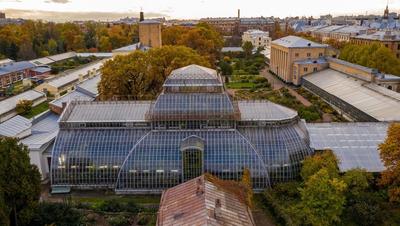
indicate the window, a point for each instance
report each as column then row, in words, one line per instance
column 315, row 69
column 305, row 69
column 308, row 54
column 320, row 54
column 296, row 54
column 386, row 45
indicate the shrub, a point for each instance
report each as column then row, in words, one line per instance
column 111, row 205
column 118, row 220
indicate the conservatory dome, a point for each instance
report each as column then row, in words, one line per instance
column 192, row 128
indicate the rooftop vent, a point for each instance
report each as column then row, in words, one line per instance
column 309, row 44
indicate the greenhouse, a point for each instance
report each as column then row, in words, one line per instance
column 192, row 128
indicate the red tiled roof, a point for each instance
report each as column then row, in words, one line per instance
column 194, row 203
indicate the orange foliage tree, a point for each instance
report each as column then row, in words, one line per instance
column 390, row 154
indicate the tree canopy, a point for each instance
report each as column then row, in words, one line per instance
column 203, row 38
column 19, row 184
column 390, row 154
column 34, row 39
column 374, row 56
column 140, row 75
column 313, row 164
column 323, row 198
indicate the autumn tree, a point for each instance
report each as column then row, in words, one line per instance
column 320, row 160
column 140, row 75
column 323, row 199
column 203, row 38
column 246, row 181
column 24, row 106
column 390, row 154
column 19, row 183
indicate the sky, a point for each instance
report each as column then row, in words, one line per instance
column 59, row 10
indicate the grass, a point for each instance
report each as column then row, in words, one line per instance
column 240, row 85
column 38, row 109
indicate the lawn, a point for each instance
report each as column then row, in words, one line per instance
column 37, row 110
column 240, row 85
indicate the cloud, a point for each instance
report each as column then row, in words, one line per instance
column 57, row 1
column 74, row 16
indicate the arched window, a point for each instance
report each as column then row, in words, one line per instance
column 192, row 149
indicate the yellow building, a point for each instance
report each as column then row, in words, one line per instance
column 150, row 33
column 293, row 57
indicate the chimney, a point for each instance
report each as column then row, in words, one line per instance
column 217, row 210
column 141, row 16
column 199, row 189
column 238, row 13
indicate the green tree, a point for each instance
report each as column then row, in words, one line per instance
column 390, row 154
column 357, row 181
column 226, row 68
column 321, row 160
column 374, row 56
column 140, row 75
column 52, row 46
column 247, row 48
column 19, row 182
column 323, row 199
column 60, row 214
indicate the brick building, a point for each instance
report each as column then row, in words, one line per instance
column 14, row 72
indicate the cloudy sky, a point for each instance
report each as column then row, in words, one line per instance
column 183, row 9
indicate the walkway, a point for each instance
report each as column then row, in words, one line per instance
column 278, row 84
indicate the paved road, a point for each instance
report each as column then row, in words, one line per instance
column 277, row 84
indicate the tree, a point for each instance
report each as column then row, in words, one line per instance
column 24, row 107
column 60, row 214
column 226, row 68
column 19, row 182
column 248, row 49
column 246, row 181
column 52, row 46
column 203, row 38
column 105, row 44
column 374, row 56
column 357, row 181
column 323, row 199
column 390, row 154
column 140, row 75
column 313, row 164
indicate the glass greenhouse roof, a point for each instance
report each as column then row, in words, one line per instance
column 192, row 106
column 264, row 111
column 354, row 144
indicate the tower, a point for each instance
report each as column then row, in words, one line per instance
column 238, row 14
column 386, row 13
column 141, row 16
column 149, row 32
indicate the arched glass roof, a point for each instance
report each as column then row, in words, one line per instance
column 155, row 163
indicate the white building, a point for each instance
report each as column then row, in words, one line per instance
column 257, row 38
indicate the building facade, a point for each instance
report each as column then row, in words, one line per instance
column 257, row 38
column 293, row 57
column 150, row 33
column 14, row 72
column 192, row 128
column 236, row 26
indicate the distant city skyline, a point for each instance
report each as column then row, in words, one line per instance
column 61, row 10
